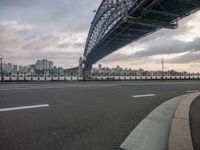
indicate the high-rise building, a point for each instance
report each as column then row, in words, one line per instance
column 61, row 71
column 39, row 65
column 4, row 67
column 9, row 70
column 15, row 69
column 51, row 65
column 32, row 68
column 26, row 68
column 20, row 68
column 44, row 64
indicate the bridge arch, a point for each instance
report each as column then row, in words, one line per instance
column 118, row 23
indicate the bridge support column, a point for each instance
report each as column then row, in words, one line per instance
column 85, row 70
column 81, row 71
column 81, row 68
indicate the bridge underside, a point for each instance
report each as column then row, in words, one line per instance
column 143, row 18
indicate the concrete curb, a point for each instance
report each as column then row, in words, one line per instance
column 180, row 135
column 159, row 130
column 153, row 131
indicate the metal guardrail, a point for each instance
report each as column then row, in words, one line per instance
column 100, row 78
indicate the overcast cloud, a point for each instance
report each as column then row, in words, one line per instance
column 57, row 30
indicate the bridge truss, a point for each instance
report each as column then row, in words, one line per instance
column 118, row 23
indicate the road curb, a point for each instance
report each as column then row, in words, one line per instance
column 166, row 127
column 180, row 134
column 152, row 132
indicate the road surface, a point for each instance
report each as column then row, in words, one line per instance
column 80, row 115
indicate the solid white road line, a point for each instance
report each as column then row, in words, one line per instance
column 56, row 87
column 23, row 107
column 192, row 91
column 20, row 88
column 145, row 95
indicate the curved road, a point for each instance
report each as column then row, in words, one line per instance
column 79, row 116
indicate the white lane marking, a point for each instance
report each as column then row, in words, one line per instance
column 192, row 91
column 56, row 87
column 145, row 95
column 23, row 88
column 23, row 107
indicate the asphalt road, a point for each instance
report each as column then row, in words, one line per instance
column 79, row 116
column 195, row 123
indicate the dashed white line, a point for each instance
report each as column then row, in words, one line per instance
column 192, row 91
column 145, row 95
column 23, row 107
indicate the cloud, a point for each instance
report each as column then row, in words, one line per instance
column 58, row 30
column 41, row 43
column 50, row 15
column 74, row 45
column 15, row 26
column 23, row 43
column 64, row 45
column 158, row 48
column 168, row 45
column 165, row 41
column 189, row 57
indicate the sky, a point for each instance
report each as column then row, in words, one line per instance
column 57, row 30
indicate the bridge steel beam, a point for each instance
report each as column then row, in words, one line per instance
column 134, row 29
column 192, row 2
column 120, row 22
column 151, row 23
column 163, row 13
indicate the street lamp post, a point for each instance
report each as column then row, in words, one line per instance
column 162, row 61
column 2, row 79
column 45, row 69
column 58, row 74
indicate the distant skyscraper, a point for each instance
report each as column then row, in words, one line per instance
column 51, row 64
column 4, row 67
column 15, row 69
column 9, row 69
column 44, row 64
column 39, row 65
column 20, row 68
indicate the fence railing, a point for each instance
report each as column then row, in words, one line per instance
column 99, row 77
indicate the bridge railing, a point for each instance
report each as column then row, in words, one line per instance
column 100, row 77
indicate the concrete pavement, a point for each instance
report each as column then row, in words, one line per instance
column 152, row 132
column 166, row 127
column 180, row 133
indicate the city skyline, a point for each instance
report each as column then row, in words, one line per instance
column 39, row 65
column 43, row 66
column 58, row 32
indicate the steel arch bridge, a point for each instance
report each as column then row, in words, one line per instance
column 118, row 23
